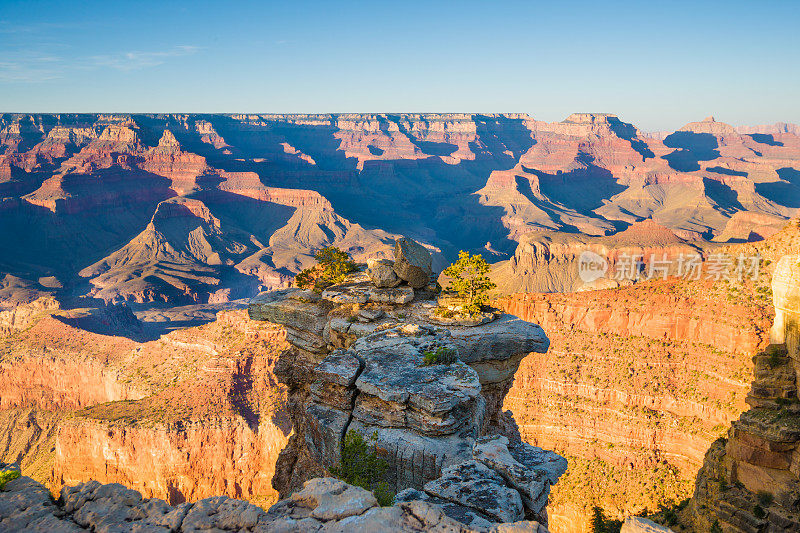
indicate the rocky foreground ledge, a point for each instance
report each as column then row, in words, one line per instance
column 361, row 362
column 324, row 504
column 368, row 356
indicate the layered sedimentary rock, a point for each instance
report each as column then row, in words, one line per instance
column 556, row 262
column 360, row 363
column 193, row 414
column 637, row 384
column 750, row 481
column 84, row 187
column 592, row 170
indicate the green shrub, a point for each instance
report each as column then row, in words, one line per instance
column 6, row 476
column 776, row 358
column 764, row 498
column 440, row 356
column 601, row 524
column 444, row 312
column 362, row 467
column 332, row 268
column 468, row 279
column 670, row 516
column 715, row 527
column 758, row 512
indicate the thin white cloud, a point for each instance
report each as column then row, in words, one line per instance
column 136, row 60
column 7, row 28
column 31, row 67
column 34, row 67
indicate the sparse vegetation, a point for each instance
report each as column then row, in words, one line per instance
column 362, row 467
column 610, row 487
column 715, row 527
column 668, row 514
column 6, row 476
column 777, row 355
column 765, row 498
column 602, row 524
column 440, row 356
column 469, row 280
column 332, row 268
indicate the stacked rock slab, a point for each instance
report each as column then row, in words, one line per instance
column 412, row 263
column 750, row 481
column 358, row 364
column 324, row 504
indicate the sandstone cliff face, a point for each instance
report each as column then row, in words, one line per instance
column 177, row 462
column 750, row 481
column 640, row 382
column 549, row 261
column 202, row 402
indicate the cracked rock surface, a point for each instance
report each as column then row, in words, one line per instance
column 324, row 504
column 367, row 358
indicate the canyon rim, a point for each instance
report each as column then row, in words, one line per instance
column 416, row 266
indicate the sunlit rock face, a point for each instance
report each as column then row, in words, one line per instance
column 195, row 413
column 786, row 295
column 750, row 481
column 324, row 504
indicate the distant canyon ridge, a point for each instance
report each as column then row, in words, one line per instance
column 180, row 209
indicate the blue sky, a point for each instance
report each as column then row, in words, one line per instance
column 656, row 64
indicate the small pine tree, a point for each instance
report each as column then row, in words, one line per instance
column 601, row 524
column 362, row 467
column 6, row 476
column 468, row 279
column 332, row 268
column 598, row 520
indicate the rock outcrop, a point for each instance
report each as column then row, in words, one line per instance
column 360, row 362
column 323, row 504
column 750, row 481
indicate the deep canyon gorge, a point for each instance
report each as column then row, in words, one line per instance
column 131, row 244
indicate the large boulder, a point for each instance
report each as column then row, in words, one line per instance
column 528, row 469
column 381, row 273
column 473, row 485
column 412, row 263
